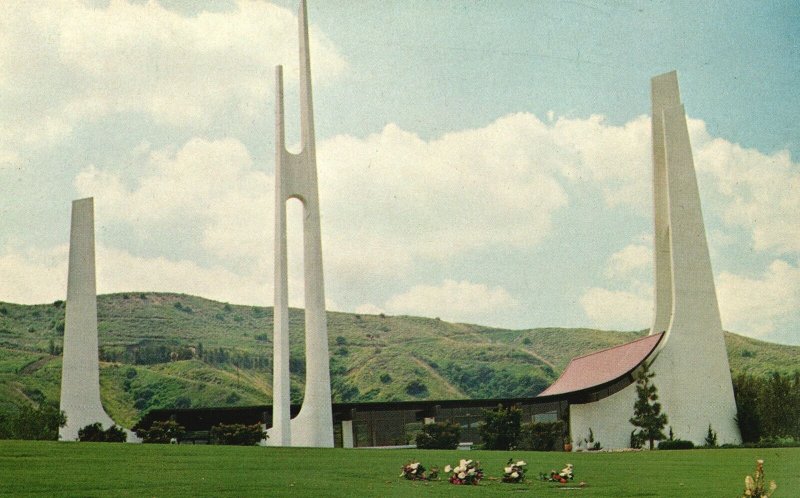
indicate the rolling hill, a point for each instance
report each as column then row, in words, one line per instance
column 163, row 350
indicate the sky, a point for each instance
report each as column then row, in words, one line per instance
column 479, row 161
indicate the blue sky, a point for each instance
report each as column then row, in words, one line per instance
column 480, row 161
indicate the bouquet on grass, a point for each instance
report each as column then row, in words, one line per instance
column 467, row 472
column 514, row 472
column 566, row 474
column 756, row 486
column 415, row 471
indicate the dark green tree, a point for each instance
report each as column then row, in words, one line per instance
column 237, row 434
column 33, row 422
column 501, row 428
column 162, row 431
column 439, row 436
column 95, row 433
column 647, row 410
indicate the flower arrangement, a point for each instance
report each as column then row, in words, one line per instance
column 514, row 472
column 564, row 475
column 414, row 471
column 755, row 486
column 467, row 472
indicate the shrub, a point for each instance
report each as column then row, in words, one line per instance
column 237, row 434
column 417, row 389
column 542, row 436
column 162, row 431
column 95, row 433
column 32, row 422
column 501, row 428
column 439, row 436
column 386, row 378
column 675, row 444
column 711, row 437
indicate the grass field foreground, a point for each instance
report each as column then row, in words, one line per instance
column 31, row 468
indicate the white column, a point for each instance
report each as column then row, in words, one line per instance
column 296, row 177
column 347, row 434
column 80, row 370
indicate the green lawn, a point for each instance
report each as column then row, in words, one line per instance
column 94, row 469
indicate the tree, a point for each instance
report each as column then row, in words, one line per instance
column 95, row 433
column 32, row 422
column 439, row 436
column 162, row 431
column 542, row 436
column 237, row 434
column 647, row 410
column 501, row 428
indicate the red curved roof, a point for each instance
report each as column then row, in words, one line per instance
column 601, row 367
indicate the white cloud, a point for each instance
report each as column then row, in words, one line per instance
column 66, row 62
column 392, row 197
column 211, row 185
column 631, row 259
column 33, row 276
column 613, row 309
column 369, row 309
column 758, row 306
column 160, row 274
column 759, row 192
column 451, row 300
column 613, row 157
column 630, row 304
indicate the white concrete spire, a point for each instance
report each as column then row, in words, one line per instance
column 692, row 370
column 296, row 177
column 80, row 370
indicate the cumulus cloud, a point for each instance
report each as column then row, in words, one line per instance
column 618, row 309
column 67, row 62
column 392, row 197
column 451, row 300
column 33, row 276
column 160, row 274
column 758, row 192
column 631, row 259
column 211, row 185
column 612, row 157
column 759, row 305
column 629, row 305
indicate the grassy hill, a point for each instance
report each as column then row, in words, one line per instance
column 163, row 350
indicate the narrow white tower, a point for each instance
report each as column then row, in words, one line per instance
column 692, row 369
column 296, row 177
column 80, row 371
column 690, row 361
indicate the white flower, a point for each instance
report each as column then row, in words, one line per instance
column 462, row 463
column 748, row 483
column 414, row 465
column 515, row 474
column 447, row 468
column 461, row 475
column 772, row 486
column 471, row 472
column 508, row 470
column 521, row 463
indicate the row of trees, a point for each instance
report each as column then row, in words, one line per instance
column 170, row 431
column 29, row 421
column 155, row 353
column 768, row 408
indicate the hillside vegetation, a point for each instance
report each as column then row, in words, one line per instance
column 172, row 350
